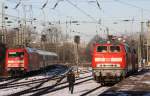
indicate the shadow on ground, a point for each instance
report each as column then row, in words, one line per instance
column 141, row 92
column 125, row 93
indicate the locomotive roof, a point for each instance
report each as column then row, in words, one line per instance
column 41, row 52
column 105, row 44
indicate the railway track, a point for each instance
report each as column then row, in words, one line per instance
column 25, row 83
column 98, row 91
column 10, row 82
column 58, row 87
column 90, row 91
column 38, row 90
column 13, row 82
column 27, row 90
column 40, row 86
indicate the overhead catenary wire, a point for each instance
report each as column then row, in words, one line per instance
column 17, row 5
column 88, row 15
column 44, row 5
column 81, row 10
column 98, row 4
column 85, row 13
column 132, row 5
column 56, row 4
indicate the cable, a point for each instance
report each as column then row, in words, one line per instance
column 81, row 10
column 56, row 4
column 17, row 4
column 98, row 4
column 44, row 5
column 131, row 5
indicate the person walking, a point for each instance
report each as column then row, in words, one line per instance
column 71, row 80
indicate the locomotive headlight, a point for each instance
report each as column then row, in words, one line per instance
column 117, row 65
column 99, row 59
column 21, row 61
column 116, row 59
column 11, row 61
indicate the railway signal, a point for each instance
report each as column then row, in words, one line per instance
column 77, row 41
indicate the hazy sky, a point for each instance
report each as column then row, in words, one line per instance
column 110, row 13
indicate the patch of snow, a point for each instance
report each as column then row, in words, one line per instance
column 126, row 87
column 5, row 81
column 137, row 78
column 148, row 73
column 146, row 82
column 78, row 89
column 99, row 91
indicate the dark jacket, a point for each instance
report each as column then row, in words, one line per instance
column 71, row 77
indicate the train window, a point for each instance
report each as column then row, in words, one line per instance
column 114, row 49
column 16, row 54
column 101, row 48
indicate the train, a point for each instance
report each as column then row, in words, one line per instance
column 22, row 60
column 113, row 61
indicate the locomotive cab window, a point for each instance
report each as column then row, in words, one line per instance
column 114, row 48
column 101, row 48
column 16, row 54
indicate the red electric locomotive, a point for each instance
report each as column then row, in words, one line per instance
column 113, row 61
column 22, row 60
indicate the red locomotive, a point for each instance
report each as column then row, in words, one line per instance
column 22, row 60
column 113, row 61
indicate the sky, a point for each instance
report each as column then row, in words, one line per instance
column 110, row 13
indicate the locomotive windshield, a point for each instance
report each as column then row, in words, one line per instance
column 101, row 48
column 15, row 54
column 114, row 49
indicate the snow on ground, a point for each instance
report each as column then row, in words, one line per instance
column 147, row 73
column 85, row 74
column 7, row 91
column 146, row 82
column 33, row 78
column 79, row 89
column 99, row 91
column 5, row 81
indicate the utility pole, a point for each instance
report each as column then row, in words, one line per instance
column 148, row 38
column 143, row 57
column 107, row 30
column 3, row 24
column 24, row 27
column 139, row 50
column 77, row 41
column 142, row 41
column 4, row 30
